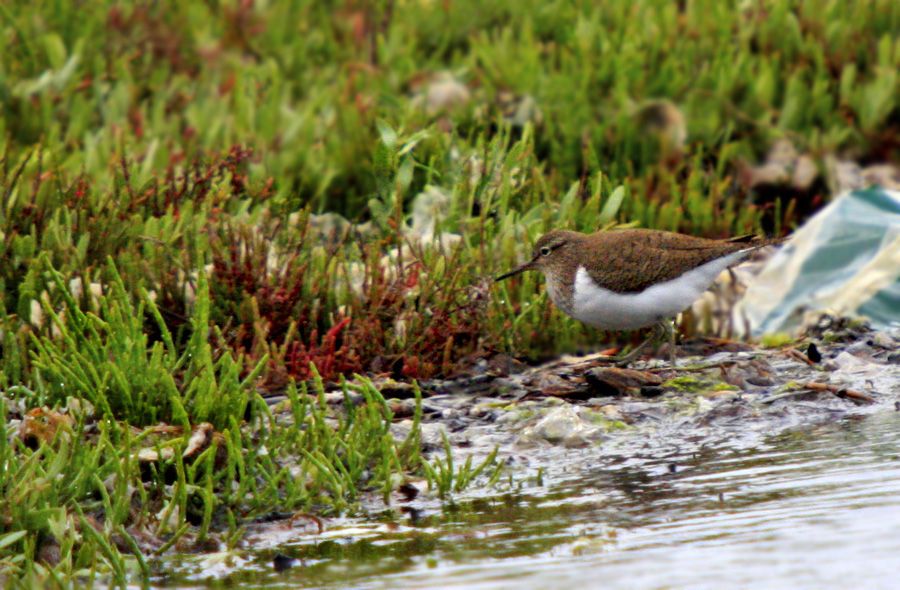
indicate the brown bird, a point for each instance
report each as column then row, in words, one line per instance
column 633, row 278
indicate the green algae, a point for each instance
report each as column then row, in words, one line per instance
column 697, row 384
column 776, row 340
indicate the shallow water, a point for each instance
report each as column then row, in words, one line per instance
column 816, row 507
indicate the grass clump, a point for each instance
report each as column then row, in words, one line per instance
column 107, row 359
column 134, row 449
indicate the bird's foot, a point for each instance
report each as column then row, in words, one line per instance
column 662, row 330
column 670, row 332
column 623, row 360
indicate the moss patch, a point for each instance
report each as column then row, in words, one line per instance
column 776, row 340
column 697, row 384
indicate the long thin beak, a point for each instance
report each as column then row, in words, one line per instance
column 527, row 266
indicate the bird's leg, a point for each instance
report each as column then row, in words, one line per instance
column 669, row 331
column 625, row 360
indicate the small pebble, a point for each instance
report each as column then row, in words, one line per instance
column 883, row 340
column 812, row 352
column 282, row 562
column 651, row 391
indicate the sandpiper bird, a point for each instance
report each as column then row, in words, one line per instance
column 633, row 278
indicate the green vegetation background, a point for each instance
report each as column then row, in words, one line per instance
column 165, row 169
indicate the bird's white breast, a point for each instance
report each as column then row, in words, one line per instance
column 594, row 305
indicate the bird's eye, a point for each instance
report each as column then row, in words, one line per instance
column 545, row 251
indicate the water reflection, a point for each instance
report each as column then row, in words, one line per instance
column 811, row 508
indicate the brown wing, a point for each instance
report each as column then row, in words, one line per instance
column 629, row 261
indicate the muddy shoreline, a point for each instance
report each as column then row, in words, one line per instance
column 573, row 420
column 838, row 367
